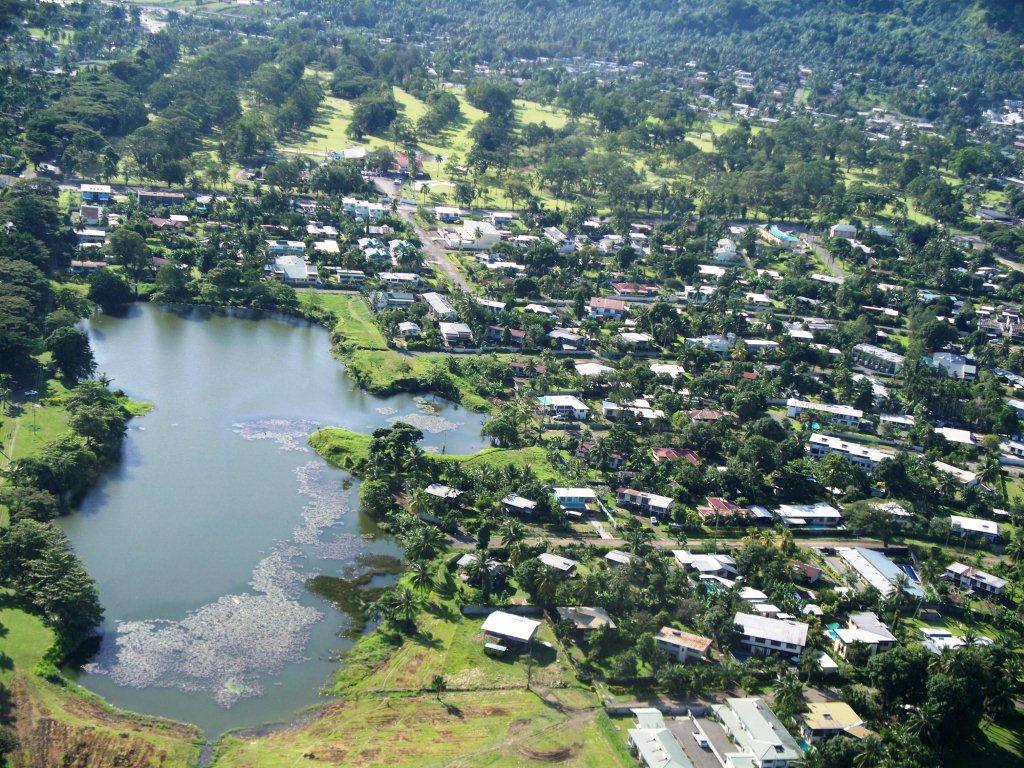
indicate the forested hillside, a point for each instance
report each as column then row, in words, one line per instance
column 966, row 51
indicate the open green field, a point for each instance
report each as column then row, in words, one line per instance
column 497, row 729
column 386, row 372
column 996, row 745
column 345, row 448
column 23, row 640
column 449, row 644
column 329, row 133
column 355, row 324
column 31, row 425
column 486, row 717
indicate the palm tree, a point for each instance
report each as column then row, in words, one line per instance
column 420, row 577
column 871, row 752
column 789, row 696
column 406, row 605
column 638, row 540
column 438, row 685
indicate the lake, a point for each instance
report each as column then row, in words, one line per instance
column 202, row 537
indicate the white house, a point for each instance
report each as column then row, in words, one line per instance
column 863, row 456
column 440, row 307
column 974, row 527
column 878, row 359
column 575, row 498
column 706, row 565
column 762, row 635
column 817, row 515
column 864, row 630
column 564, row 407
column 845, row 415
column 561, row 564
column 762, row 740
column 510, row 627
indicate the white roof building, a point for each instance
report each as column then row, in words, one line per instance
column 705, row 564
column 762, row 739
column 510, row 626
column 819, row 515
column 559, row 563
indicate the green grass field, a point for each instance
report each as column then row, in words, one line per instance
column 499, row 729
column 996, row 745
column 348, row 449
column 23, row 641
column 355, row 323
column 29, row 426
column 385, row 372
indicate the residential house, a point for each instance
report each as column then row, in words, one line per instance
column 865, row 633
column 562, row 565
column 715, row 342
column 954, row 366
column 447, row 214
column 825, row 719
column 474, row 236
column 564, row 407
column 773, row 235
column 294, row 270
column 682, row 646
column 863, row 456
column 591, row 370
column 634, row 342
column 575, row 498
column 90, row 215
column 456, row 334
column 439, row 306
column 706, row 565
column 973, row 527
column 158, row 197
column 762, row 635
column 845, row 231
column 399, row 279
column 585, row 620
column 939, row 639
column 510, row 628
column 817, row 515
column 445, row 493
column 654, row 745
column 844, row 415
column 965, row 477
column 629, row 290
column 720, row 509
column 362, row 209
column 644, row 502
column 601, row 308
column 516, row 504
column 95, row 193
column 408, row 330
column 393, row 299
column 616, row 557
column 285, row 247
column 90, row 237
column 879, row 571
column 974, row 579
column 761, row 739
column 878, row 359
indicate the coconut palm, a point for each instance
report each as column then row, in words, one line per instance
column 420, row 577
column 789, row 696
column 871, row 752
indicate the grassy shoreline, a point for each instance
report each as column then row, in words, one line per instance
column 350, row 450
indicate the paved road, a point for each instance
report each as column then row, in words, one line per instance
column 437, row 257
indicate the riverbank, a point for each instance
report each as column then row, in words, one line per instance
column 350, row 450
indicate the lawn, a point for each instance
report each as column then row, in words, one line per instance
column 996, row 745
column 23, row 640
column 384, row 372
column 450, row 645
column 348, row 449
column 29, row 426
column 356, row 324
column 501, row 729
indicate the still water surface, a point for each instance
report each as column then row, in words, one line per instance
column 201, row 538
